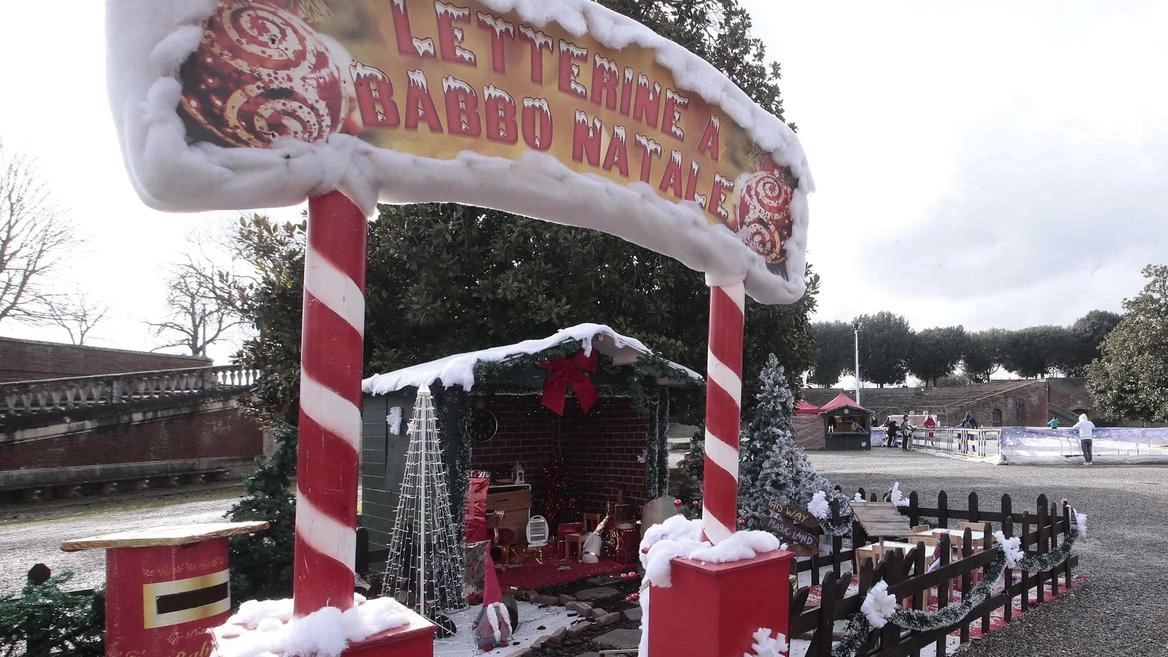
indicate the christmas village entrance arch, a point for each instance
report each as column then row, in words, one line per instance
column 559, row 110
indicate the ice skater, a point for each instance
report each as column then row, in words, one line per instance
column 1086, row 428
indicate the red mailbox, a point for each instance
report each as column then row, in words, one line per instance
column 165, row 587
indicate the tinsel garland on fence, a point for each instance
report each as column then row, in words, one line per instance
column 859, row 627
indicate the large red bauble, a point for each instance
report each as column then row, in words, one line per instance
column 260, row 72
column 763, row 215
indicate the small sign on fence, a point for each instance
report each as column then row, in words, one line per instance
column 794, row 525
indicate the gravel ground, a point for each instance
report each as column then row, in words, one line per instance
column 36, row 537
column 1121, row 609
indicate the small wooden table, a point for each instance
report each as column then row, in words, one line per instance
column 957, row 537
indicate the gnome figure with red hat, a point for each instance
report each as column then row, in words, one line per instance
column 492, row 626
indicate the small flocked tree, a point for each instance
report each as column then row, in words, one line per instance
column 772, row 468
column 693, row 467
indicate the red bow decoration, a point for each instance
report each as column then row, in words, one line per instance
column 569, row 371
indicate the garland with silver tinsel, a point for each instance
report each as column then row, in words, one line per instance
column 859, row 626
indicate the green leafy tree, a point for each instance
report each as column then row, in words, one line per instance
column 885, row 344
column 1130, row 377
column 1034, row 351
column 935, row 352
column 1087, row 334
column 834, row 352
column 982, row 355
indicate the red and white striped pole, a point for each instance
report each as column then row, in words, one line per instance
column 723, row 412
column 331, row 356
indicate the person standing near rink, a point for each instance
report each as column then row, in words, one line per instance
column 1086, row 429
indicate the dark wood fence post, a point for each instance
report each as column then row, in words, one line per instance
column 1008, row 575
column 815, row 569
column 942, row 509
column 1043, row 543
column 830, row 594
column 1025, row 535
column 1054, row 541
column 895, row 566
column 914, row 509
column 1007, row 508
column 987, row 544
column 919, row 597
column 943, row 588
column 974, row 516
column 1067, row 524
column 966, row 579
column 837, row 542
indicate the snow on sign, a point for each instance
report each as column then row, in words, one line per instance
column 564, row 111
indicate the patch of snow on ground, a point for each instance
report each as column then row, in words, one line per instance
column 531, row 617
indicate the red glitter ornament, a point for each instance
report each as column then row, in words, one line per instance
column 261, row 72
column 764, row 212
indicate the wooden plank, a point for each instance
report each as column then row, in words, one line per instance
column 160, row 536
column 881, row 519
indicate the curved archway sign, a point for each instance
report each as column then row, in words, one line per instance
column 563, row 111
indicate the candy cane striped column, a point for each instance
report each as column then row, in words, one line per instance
column 333, row 330
column 723, row 411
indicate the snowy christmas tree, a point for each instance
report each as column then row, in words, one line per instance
column 772, row 469
column 693, row 467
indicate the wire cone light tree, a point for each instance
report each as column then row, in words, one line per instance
column 424, row 566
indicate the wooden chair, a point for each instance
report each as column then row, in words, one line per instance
column 917, row 529
column 591, row 520
column 502, row 539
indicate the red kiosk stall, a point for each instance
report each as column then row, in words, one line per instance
column 562, row 110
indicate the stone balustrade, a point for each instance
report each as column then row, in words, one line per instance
column 62, row 396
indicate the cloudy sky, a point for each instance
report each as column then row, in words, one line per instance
column 987, row 164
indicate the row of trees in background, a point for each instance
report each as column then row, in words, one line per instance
column 890, row 349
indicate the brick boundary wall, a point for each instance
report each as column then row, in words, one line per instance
column 26, row 360
column 214, row 434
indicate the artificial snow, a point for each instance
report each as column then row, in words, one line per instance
column 535, row 621
column 879, row 605
column 896, row 497
column 1080, row 523
column 819, row 506
column 148, row 40
column 458, row 370
column 1011, row 547
column 679, row 537
column 267, row 628
column 765, row 645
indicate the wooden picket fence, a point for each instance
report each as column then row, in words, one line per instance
column 910, row 583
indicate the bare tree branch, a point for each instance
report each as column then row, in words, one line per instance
column 204, row 302
column 76, row 313
column 34, row 238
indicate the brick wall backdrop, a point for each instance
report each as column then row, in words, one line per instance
column 214, row 434
column 600, row 449
column 25, row 360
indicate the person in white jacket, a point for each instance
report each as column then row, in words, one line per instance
column 1085, row 427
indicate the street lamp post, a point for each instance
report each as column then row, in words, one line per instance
column 856, row 332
